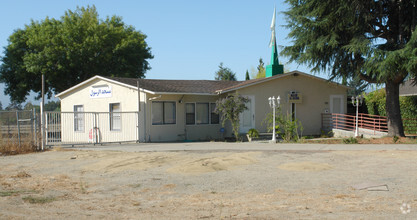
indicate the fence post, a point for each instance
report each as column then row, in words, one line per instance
column 95, row 127
column 18, row 128
column 32, row 126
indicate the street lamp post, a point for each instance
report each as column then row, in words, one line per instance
column 273, row 105
column 356, row 102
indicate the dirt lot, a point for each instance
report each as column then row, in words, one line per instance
column 302, row 184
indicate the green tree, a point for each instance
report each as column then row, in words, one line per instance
column 224, row 73
column 70, row 50
column 53, row 106
column 28, row 106
column 358, row 86
column 1, row 106
column 372, row 40
column 247, row 75
column 260, row 70
column 230, row 108
column 14, row 106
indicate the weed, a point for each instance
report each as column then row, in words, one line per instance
column 38, row 200
column 350, row 140
column 395, row 139
column 83, row 187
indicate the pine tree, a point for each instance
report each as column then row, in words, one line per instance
column 374, row 40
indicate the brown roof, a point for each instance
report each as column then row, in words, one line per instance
column 199, row 86
column 408, row 88
column 203, row 87
column 178, row 86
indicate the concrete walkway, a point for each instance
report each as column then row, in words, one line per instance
column 245, row 146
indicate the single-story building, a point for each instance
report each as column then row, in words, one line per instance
column 408, row 88
column 178, row 110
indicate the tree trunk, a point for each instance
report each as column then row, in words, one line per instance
column 392, row 107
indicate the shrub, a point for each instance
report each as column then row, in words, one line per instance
column 253, row 133
column 350, row 140
column 284, row 125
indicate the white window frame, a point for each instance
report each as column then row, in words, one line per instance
column 163, row 113
column 192, row 103
column 79, row 116
column 114, row 115
column 196, row 113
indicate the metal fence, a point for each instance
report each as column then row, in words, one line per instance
column 18, row 127
column 365, row 121
column 90, row 127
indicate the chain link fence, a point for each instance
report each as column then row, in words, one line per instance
column 20, row 127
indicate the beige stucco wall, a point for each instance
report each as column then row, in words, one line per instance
column 315, row 94
column 180, row 131
column 315, row 99
column 128, row 99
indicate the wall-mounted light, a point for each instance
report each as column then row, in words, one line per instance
column 156, row 97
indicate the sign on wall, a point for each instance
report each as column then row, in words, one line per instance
column 100, row 92
column 295, row 97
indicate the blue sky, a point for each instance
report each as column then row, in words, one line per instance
column 188, row 39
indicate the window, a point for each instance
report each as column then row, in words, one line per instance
column 163, row 113
column 190, row 113
column 214, row 117
column 78, row 118
column 202, row 113
column 115, row 117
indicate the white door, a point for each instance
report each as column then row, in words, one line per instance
column 247, row 118
column 336, row 104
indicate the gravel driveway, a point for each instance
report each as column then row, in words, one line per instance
column 212, row 181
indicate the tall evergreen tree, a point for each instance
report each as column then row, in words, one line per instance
column 261, row 69
column 247, row 75
column 224, row 73
column 374, row 40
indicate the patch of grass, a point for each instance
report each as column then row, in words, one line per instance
column 9, row 193
column 38, row 200
column 15, row 192
column 350, row 140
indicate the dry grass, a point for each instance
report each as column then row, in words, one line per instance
column 9, row 145
column 14, row 148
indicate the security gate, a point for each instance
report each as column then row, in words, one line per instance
column 90, row 127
